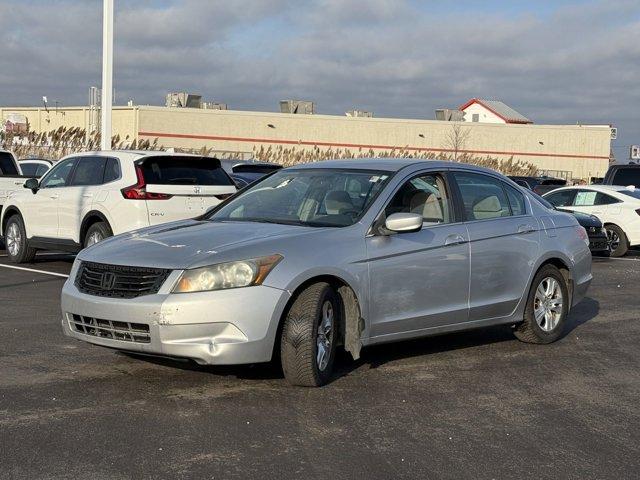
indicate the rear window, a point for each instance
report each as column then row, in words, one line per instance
column 249, row 168
column 627, row 176
column 175, row 170
column 631, row 193
column 7, row 165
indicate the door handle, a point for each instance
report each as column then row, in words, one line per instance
column 455, row 239
column 87, row 195
column 526, row 228
column 54, row 196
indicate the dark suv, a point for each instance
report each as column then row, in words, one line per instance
column 623, row 175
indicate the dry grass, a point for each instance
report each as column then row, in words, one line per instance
column 63, row 141
column 288, row 156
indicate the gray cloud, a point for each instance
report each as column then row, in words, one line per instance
column 579, row 63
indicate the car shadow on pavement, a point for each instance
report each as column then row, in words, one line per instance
column 378, row 355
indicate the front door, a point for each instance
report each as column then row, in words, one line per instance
column 419, row 280
column 41, row 212
column 504, row 239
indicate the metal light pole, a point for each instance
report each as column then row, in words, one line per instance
column 107, row 75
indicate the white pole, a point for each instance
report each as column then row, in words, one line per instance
column 107, row 75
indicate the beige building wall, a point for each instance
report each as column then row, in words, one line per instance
column 583, row 150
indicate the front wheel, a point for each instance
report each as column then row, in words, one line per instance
column 309, row 336
column 547, row 308
column 15, row 237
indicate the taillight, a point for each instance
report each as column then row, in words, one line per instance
column 582, row 233
column 139, row 190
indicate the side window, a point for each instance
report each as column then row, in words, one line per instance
column 483, row 196
column 42, row 169
column 89, row 171
column 563, row 198
column 585, row 198
column 604, row 199
column 516, row 200
column 59, row 175
column 426, row 195
column 111, row 170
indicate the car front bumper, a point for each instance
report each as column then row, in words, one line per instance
column 598, row 242
column 225, row 327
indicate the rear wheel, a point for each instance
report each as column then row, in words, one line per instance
column 96, row 233
column 309, row 336
column 15, row 237
column 547, row 308
column 618, row 243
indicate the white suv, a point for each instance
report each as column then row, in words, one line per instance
column 87, row 197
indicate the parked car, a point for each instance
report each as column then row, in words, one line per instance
column 89, row 196
column 353, row 253
column 539, row 185
column 598, row 240
column 11, row 177
column 35, row 167
column 244, row 173
column 623, row 175
column 617, row 207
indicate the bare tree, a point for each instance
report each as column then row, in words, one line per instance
column 456, row 139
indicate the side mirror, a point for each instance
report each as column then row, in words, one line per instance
column 32, row 184
column 403, row 222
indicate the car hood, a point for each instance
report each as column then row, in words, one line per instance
column 188, row 243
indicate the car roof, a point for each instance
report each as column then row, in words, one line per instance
column 598, row 188
column 386, row 164
column 131, row 154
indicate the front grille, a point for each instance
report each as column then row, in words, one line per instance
column 119, row 281
column 125, row 331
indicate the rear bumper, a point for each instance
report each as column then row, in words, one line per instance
column 226, row 327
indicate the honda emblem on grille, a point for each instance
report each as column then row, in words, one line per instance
column 108, row 281
column 197, row 190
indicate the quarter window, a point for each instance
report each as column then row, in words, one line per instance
column 111, row 170
column 60, row 175
column 483, row 196
column 425, row 195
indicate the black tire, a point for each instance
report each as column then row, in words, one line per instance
column 530, row 331
column 99, row 228
column 623, row 242
column 23, row 252
column 299, row 341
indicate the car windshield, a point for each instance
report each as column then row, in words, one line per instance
column 309, row 197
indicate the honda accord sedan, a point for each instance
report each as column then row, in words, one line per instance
column 336, row 254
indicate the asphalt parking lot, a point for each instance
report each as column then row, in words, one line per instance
column 474, row 405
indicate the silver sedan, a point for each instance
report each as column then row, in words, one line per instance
column 334, row 254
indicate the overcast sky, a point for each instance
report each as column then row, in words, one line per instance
column 556, row 61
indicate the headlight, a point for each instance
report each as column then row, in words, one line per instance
column 244, row 273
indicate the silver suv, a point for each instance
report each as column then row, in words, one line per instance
column 339, row 253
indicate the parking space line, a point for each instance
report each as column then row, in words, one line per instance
column 34, row 270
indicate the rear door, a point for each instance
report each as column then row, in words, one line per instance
column 182, row 187
column 504, row 243
column 77, row 198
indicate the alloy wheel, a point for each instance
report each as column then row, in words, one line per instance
column 14, row 239
column 324, row 338
column 94, row 238
column 547, row 305
column 613, row 239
